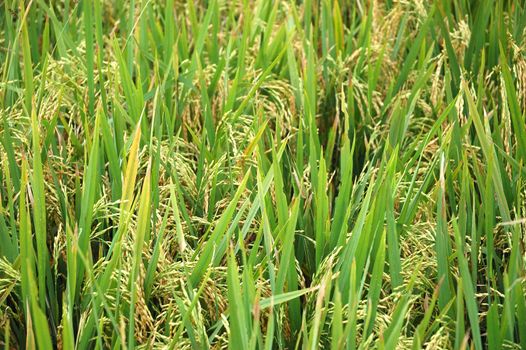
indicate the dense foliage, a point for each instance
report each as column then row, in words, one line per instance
column 262, row 174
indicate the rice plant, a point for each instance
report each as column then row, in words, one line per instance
column 263, row 174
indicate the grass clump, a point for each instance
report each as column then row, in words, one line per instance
column 262, row 174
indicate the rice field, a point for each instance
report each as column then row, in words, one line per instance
column 262, row 174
